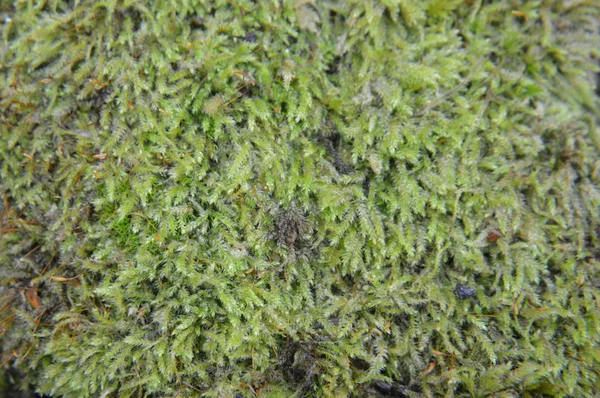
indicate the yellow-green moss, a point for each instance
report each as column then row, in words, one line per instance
column 272, row 198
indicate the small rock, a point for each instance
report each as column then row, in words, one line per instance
column 382, row 387
column 250, row 37
column 464, row 292
column 390, row 390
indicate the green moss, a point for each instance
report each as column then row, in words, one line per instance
column 280, row 198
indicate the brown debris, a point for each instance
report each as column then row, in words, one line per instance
column 32, row 297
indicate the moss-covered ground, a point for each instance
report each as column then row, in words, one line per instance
column 279, row 198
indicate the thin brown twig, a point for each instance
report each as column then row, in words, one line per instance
column 231, row 101
column 46, row 266
column 31, row 251
column 12, row 354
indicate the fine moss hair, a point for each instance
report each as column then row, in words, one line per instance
column 300, row 198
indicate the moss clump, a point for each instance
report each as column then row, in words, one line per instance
column 281, row 197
